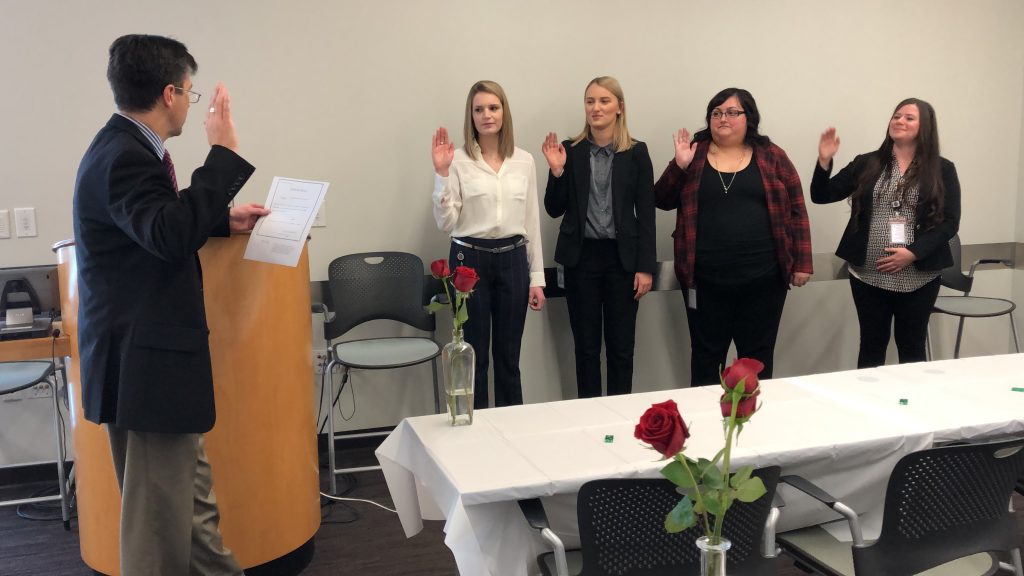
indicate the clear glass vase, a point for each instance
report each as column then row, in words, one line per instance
column 712, row 556
column 458, row 360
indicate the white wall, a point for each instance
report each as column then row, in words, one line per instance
column 350, row 92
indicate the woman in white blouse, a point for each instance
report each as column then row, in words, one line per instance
column 485, row 197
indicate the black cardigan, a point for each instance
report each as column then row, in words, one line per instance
column 931, row 243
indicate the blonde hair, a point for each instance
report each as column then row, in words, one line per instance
column 506, row 141
column 621, row 138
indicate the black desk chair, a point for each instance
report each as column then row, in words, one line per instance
column 967, row 306
column 17, row 376
column 375, row 286
column 622, row 531
column 947, row 512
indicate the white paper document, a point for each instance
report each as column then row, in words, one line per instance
column 279, row 237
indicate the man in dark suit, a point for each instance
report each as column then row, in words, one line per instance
column 143, row 338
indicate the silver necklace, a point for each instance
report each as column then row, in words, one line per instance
column 731, row 180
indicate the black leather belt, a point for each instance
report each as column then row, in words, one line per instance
column 521, row 242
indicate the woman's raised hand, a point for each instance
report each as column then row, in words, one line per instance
column 554, row 153
column 684, row 148
column 442, row 152
column 827, row 147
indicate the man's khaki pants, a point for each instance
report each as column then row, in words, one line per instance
column 169, row 518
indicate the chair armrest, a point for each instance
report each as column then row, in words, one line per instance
column 777, row 501
column 814, row 491
column 810, row 488
column 533, row 510
column 1004, row 262
column 769, row 548
column 321, row 308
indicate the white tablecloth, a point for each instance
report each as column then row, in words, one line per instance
column 844, row 430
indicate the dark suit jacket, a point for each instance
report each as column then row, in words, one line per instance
column 632, row 205
column 931, row 243
column 142, row 333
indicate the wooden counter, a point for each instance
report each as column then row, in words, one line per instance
column 35, row 348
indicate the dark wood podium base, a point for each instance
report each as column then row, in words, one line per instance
column 291, row 564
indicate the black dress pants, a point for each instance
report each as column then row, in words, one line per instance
column 747, row 314
column 497, row 315
column 599, row 295
column 877, row 309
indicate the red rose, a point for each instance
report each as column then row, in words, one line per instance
column 663, row 428
column 439, row 268
column 745, row 408
column 465, row 278
column 745, row 369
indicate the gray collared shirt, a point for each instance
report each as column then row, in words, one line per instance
column 600, row 220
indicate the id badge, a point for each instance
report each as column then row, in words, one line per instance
column 898, row 230
column 691, row 298
column 560, row 276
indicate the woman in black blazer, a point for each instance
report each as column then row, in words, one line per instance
column 905, row 201
column 601, row 183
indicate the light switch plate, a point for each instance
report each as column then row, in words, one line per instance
column 5, row 223
column 320, row 220
column 25, row 222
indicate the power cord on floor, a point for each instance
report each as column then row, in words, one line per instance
column 45, row 511
column 341, row 499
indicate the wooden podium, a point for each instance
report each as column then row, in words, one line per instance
column 263, row 447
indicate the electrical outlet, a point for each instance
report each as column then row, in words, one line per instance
column 5, row 224
column 40, row 390
column 320, row 220
column 319, row 361
column 25, row 222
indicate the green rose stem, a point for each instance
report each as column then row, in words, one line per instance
column 716, row 538
column 448, row 295
column 697, row 496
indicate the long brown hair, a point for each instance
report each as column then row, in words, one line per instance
column 506, row 138
column 925, row 171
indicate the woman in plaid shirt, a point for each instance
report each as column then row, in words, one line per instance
column 741, row 237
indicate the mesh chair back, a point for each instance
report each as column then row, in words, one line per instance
column 953, row 276
column 622, row 530
column 945, row 503
column 376, row 286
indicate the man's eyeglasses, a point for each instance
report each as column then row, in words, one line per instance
column 193, row 97
column 730, row 113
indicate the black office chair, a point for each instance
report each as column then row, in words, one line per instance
column 622, row 532
column 18, row 376
column 375, row 286
column 967, row 306
column 947, row 512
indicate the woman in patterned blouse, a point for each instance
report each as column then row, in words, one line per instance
column 905, row 201
column 741, row 236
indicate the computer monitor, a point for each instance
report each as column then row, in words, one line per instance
column 43, row 282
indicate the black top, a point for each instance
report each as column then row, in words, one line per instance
column 734, row 236
column 568, row 198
